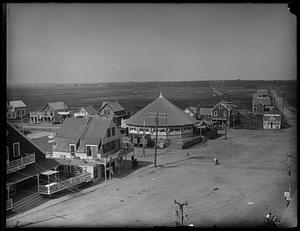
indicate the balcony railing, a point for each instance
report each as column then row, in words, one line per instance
column 58, row 186
column 9, row 204
column 19, row 163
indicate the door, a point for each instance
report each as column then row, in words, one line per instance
column 271, row 124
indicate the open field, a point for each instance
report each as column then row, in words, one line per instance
column 133, row 96
column 253, row 169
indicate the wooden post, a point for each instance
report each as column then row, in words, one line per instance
column 156, row 121
column 38, row 181
column 105, row 170
column 144, row 139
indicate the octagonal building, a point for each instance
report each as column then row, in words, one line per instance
column 173, row 123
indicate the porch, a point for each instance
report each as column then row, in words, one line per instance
column 15, row 165
column 56, row 184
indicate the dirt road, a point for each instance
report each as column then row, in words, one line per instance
column 249, row 182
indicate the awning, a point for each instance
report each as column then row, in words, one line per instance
column 63, row 113
column 75, row 162
column 49, row 172
column 21, row 175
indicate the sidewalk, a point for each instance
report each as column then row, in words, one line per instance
column 13, row 221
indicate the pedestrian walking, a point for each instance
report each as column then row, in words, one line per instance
column 216, row 160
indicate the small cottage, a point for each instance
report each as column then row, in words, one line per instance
column 223, row 113
column 15, row 109
column 261, row 102
column 50, row 113
column 113, row 109
column 271, row 121
column 86, row 110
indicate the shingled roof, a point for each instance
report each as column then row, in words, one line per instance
column 114, row 105
column 174, row 115
column 17, row 103
column 87, row 130
column 91, row 110
column 57, row 106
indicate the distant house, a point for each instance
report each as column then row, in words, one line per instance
column 24, row 162
column 222, row 113
column 113, row 110
column 15, row 109
column 205, row 114
column 261, row 102
column 86, row 110
column 191, row 111
column 271, row 121
column 51, row 112
column 91, row 144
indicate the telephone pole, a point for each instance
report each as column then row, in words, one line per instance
column 226, row 124
column 156, row 120
column 144, row 139
column 180, row 205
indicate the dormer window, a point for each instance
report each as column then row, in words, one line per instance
column 220, row 106
column 108, row 132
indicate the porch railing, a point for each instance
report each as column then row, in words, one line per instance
column 58, row 186
column 9, row 204
column 16, row 164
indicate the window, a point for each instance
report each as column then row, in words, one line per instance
column 220, row 106
column 225, row 113
column 113, row 131
column 108, row 132
column 72, row 149
column 7, row 153
column 215, row 113
column 88, row 150
column 16, row 149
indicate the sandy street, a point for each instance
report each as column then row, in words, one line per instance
column 249, row 182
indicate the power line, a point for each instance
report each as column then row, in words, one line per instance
column 156, row 130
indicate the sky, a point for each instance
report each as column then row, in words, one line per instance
column 87, row 43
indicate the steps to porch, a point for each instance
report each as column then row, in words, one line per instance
column 28, row 203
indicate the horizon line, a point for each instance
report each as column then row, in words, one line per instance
column 154, row 81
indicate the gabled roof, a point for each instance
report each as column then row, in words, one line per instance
column 17, row 103
column 226, row 104
column 87, row 130
column 114, row 105
column 57, row 106
column 172, row 115
column 275, row 117
column 91, row 110
column 204, row 111
column 264, row 100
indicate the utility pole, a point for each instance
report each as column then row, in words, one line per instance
column 144, row 139
column 226, row 123
column 156, row 131
column 289, row 171
column 156, row 128
column 180, row 205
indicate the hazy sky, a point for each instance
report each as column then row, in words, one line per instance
column 146, row 42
